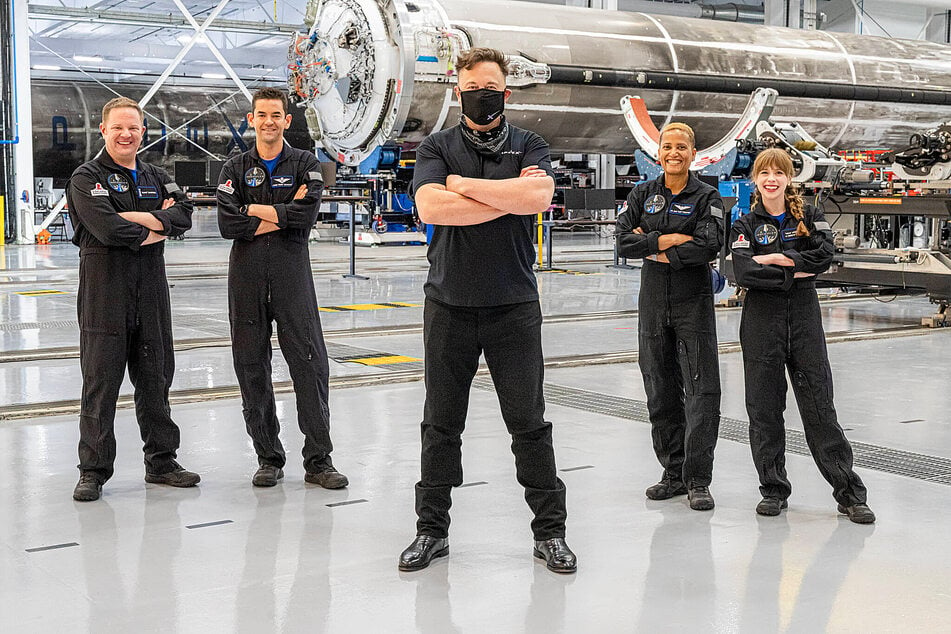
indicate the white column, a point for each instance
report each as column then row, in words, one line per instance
column 23, row 153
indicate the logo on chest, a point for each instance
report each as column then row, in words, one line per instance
column 118, row 182
column 254, row 177
column 282, row 182
column 680, row 209
column 766, row 234
column 655, row 204
column 788, row 235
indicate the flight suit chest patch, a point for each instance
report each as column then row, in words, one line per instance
column 766, row 234
column 680, row 209
column 118, row 182
column 655, row 204
column 99, row 190
column 254, row 177
column 788, row 235
column 282, row 182
column 148, row 192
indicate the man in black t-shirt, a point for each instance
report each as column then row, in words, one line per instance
column 480, row 183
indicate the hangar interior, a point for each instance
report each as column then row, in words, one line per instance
column 591, row 75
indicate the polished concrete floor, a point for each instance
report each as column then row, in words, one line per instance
column 297, row 558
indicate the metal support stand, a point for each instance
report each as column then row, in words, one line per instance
column 352, row 201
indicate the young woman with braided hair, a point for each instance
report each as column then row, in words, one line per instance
column 778, row 249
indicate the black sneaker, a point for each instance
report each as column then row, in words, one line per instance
column 700, row 499
column 328, row 477
column 267, row 476
column 179, row 478
column 665, row 489
column 771, row 507
column 858, row 513
column 88, row 489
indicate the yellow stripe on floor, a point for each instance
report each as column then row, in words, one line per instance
column 395, row 358
column 567, row 272
column 351, row 307
column 40, row 292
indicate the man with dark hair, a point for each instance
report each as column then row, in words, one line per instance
column 124, row 209
column 480, row 183
column 268, row 198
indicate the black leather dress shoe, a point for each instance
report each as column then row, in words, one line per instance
column 558, row 557
column 422, row 551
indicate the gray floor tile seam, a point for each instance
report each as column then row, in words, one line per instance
column 876, row 457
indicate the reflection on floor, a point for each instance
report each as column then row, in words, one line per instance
column 228, row 557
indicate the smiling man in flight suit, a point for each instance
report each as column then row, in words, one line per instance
column 268, row 200
column 124, row 209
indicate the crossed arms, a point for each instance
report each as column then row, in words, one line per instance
column 149, row 221
column 471, row 201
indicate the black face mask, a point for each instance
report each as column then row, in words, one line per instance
column 482, row 106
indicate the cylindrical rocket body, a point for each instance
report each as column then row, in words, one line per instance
column 585, row 118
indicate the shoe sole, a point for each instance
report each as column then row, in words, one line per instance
column 157, row 479
column 782, row 506
column 436, row 555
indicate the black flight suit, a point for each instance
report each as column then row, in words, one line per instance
column 781, row 329
column 677, row 338
column 270, row 279
column 124, row 309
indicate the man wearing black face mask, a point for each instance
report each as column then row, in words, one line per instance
column 480, row 183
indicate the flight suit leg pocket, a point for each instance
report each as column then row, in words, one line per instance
column 689, row 364
column 99, row 350
column 246, row 338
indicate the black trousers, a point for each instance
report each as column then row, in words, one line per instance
column 125, row 320
column 510, row 338
column 677, row 354
column 779, row 332
column 292, row 302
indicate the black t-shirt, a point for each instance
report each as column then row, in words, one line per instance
column 488, row 264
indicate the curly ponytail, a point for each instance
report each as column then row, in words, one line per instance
column 779, row 159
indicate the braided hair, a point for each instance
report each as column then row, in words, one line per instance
column 779, row 159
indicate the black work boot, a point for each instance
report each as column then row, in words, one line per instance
column 329, row 478
column 700, row 499
column 178, row 478
column 88, row 489
column 666, row 489
column 267, row 476
column 858, row 513
column 770, row 506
